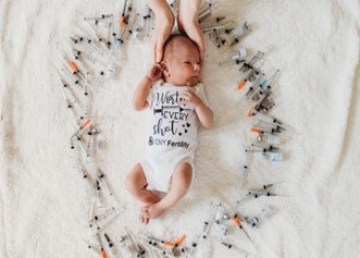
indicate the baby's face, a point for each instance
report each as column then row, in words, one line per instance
column 183, row 66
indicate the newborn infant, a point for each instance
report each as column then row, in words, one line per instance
column 177, row 106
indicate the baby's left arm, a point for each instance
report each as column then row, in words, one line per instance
column 203, row 112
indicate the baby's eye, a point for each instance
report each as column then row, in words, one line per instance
column 187, row 62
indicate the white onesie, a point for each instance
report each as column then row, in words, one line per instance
column 171, row 133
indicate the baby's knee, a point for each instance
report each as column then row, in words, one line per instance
column 135, row 181
column 130, row 183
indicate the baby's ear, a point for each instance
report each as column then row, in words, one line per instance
column 164, row 68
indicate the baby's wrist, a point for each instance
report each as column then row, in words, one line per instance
column 199, row 105
column 149, row 78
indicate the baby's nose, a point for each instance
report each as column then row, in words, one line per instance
column 196, row 67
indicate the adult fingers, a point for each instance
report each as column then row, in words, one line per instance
column 201, row 47
column 198, row 38
column 158, row 52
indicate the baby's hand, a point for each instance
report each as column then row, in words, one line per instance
column 190, row 96
column 155, row 72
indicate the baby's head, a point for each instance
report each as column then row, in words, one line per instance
column 181, row 62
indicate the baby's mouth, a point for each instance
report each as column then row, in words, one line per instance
column 196, row 77
column 194, row 80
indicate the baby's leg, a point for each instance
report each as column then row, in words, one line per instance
column 180, row 184
column 136, row 184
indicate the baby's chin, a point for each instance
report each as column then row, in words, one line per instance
column 193, row 81
column 190, row 82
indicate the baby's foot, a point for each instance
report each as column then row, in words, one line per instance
column 150, row 212
column 150, row 198
column 143, row 219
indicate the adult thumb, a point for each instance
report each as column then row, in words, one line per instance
column 158, row 53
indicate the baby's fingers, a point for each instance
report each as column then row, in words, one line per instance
column 186, row 94
column 156, row 67
column 183, row 99
column 155, row 72
column 144, row 208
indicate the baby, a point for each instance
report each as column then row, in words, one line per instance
column 177, row 105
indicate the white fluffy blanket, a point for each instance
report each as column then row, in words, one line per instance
column 43, row 200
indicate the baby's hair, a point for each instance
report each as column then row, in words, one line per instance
column 169, row 43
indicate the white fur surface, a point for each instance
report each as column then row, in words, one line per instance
column 43, row 202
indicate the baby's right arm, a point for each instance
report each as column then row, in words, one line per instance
column 142, row 90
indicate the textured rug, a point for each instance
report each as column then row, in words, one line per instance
column 44, row 203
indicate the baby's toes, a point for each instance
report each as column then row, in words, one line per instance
column 145, row 208
column 144, row 217
column 155, row 212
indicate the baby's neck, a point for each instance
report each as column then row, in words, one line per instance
column 182, row 84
